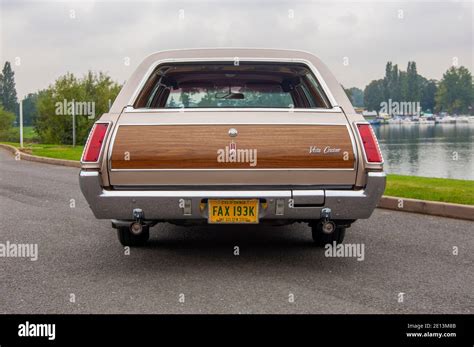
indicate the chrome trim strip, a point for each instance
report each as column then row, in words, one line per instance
column 249, row 169
column 111, row 147
column 354, row 146
column 199, row 193
column 129, row 109
column 232, row 123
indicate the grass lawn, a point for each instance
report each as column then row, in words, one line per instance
column 28, row 133
column 51, row 151
column 434, row 189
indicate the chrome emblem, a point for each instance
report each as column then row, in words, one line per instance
column 233, row 132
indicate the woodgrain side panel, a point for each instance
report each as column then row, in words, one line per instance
column 209, row 147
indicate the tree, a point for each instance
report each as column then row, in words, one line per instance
column 348, row 93
column 374, row 95
column 356, row 96
column 428, row 90
column 412, row 89
column 392, row 83
column 6, row 123
column 184, row 99
column 455, row 91
column 29, row 109
column 387, row 81
column 8, row 92
column 1, row 88
column 396, row 84
column 454, row 94
column 87, row 97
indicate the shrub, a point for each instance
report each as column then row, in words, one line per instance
column 6, row 125
column 54, row 122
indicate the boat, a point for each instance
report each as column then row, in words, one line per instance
column 395, row 120
column 371, row 117
column 374, row 121
column 407, row 121
column 445, row 119
column 383, row 118
column 424, row 121
column 462, row 119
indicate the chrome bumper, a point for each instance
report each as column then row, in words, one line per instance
column 191, row 204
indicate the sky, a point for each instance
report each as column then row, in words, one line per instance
column 46, row 39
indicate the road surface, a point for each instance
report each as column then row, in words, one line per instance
column 82, row 268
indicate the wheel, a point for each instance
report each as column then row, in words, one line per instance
column 126, row 237
column 321, row 239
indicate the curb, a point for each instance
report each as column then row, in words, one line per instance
column 434, row 208
column 30, row 157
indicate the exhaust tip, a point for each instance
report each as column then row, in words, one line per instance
column 328, row 227
column 136, row 228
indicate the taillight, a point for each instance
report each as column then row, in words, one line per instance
column 371, row 146
column 94, row 142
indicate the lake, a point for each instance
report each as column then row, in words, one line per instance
column 439, row 150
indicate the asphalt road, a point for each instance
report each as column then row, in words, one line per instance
column 77, row 254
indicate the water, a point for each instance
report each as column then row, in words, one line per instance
column 428, row 150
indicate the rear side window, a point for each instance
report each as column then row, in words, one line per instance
column 225, row 85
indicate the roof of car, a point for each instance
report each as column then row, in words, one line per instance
column 151, row 61
column 232, row 52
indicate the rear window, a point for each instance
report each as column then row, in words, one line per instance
column 226, row 85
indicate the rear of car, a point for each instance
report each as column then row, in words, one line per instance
column 228, row 136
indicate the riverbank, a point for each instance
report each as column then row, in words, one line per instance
column 432, row 189
column 401, row 186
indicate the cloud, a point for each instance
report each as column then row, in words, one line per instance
column 52, row 38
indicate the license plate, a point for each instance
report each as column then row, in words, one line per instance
column 233, row 211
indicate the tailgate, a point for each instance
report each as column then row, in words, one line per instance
column 232, row 148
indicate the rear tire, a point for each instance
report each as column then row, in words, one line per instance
column 126, row 237
column 321, row 239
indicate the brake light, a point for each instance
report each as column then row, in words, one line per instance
column 371, row 146
column 94, row 142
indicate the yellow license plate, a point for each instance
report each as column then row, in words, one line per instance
column 233, row 211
